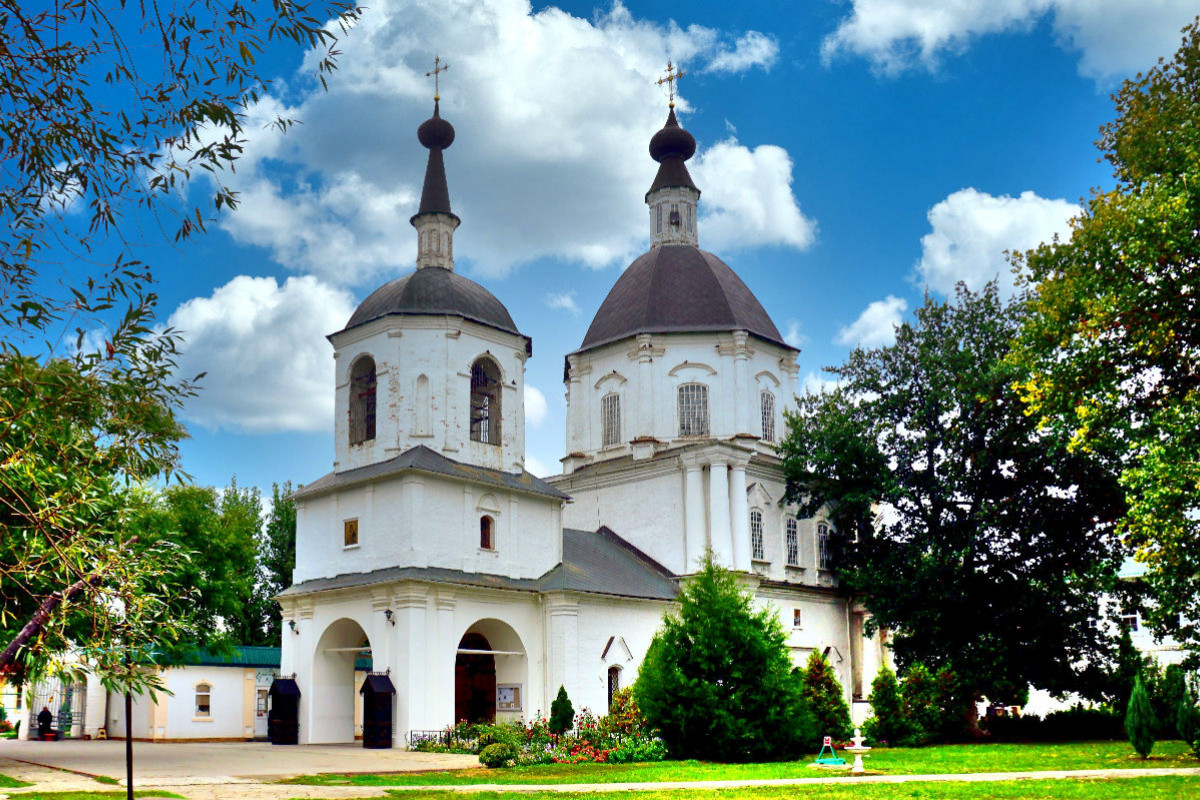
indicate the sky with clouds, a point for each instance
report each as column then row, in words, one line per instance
column 853, row 155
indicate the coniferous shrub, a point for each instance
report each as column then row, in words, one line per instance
column 717, row 681
column 887, row 724
column 1187, row 718
column 918, row 697
column 1139, row 719
column 562, row 713
column 825, row 698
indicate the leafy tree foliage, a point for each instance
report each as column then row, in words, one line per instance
column 562, row 713
column 887, row 722
column 918, row 694
column 1139, row 719
column 108, row 107
column 978, row 539
column 824, row 698
column 717, row 681
column 1112, row 341
column 276, row 557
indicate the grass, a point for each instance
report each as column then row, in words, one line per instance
column 12, row 783
column 105, row 779
column 93, row 795
column 943, row 759
column 1165, row 788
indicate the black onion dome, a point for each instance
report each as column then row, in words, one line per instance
column 672, row 140
column 679, row 288
column 435, row 292
column 435, row 131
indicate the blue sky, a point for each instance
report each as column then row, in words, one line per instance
column 851, row 156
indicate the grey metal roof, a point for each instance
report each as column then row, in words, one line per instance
column 435, row 291
column 594, row 562
column 601, row 562
column 679, row 288
column 422, row 459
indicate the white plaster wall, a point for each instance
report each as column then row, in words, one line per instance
column 441, row 349
column 824, row 623
column 735, row 367
column 419, row 520
column 227, row 703
column 632, row 621
column 141, row 716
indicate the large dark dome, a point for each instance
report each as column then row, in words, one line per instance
column 674, row 289
column 435, row 291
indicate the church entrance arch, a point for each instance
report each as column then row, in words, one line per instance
column 342, row 651
column 490, row 672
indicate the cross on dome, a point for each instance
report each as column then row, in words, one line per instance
column 438, row 68
column 674, row 73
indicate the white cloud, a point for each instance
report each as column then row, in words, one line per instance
column 263, row 347
column 534, row 464
column 793, row 336
column 876, row 325
column 564, row 300
column 1113, row 37
column 971, row 230
column 748, row 198
column 543, row 103
column 535, row 406
column 754, row 49
column 816, row 384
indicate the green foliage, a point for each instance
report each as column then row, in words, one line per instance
column 500, row 754
column 998, row 537
column 624, row 717
column 562, row 713
column 887, row 723
column 717, row 680
column 1109, row 345
column 1139, row 720
column 824, row 697
column 1187, row 717
column 276, row 559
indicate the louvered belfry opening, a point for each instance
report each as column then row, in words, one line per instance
column 362, row 400
column 485, row 401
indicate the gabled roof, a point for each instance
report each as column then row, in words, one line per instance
column 242, row 656
column 594, row 562
column 422, row 459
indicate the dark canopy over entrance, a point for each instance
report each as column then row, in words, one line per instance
column 474, row 681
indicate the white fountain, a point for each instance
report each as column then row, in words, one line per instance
column 857, row 748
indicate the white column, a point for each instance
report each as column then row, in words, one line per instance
column 564, row 645
column 304, row 642
column 721, row 539
column 95, row 705
column 444, row 651
column 743, row 390
column 409, row 676
column 643, row 415
column 694, row 515
column 739, row 512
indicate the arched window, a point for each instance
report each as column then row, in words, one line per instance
column 688, row 208
column 203, row 700
column 362, row 400
column 756, row 536
column 823, row 549
column 485, row 401
column 487, row 533
column 674, row 217
column 614, row 683
column 767, row 401
column 791, row 541
column 658, row 211
column 610, row 419
column 693, row 409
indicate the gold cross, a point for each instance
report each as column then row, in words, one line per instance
column 673, row 74
column 437, row 60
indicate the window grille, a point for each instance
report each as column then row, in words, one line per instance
column 610, row 418
column 485, row 402
column 792, row 541
column 614, row 683
column 693, row 409
column 203, row 700
column 768, row 417
column 362, row 400
column 826, row 558
column 487, row 533
column 756, row 536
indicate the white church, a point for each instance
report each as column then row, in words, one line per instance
column 477, row 589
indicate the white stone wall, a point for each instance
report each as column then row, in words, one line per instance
column 631, row 624
column 646, row 372
column 423, row 373
column 227, row 709
column 421, row 520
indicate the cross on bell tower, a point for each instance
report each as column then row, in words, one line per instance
column 438, row 68
column 674, row 73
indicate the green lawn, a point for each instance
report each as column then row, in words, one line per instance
column 92, row 795
column 12, row 783
column 895, row 761
column 1167, row 788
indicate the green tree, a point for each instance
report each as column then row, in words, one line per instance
column 996, row 538
column 824, row 697
column 1187, row 716
column 108, row 108
column 276, row 560
column 562, row 713
column 1110, row 344
column 887, row 722
column 1139, row 719
column 918, row 694
column 717, row 680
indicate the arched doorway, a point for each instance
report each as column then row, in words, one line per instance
column 343, row 647
column 490, row 662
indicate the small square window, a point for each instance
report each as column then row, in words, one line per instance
column 350, row 533
column 487, row 533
